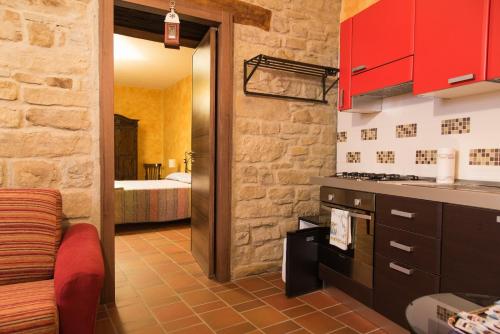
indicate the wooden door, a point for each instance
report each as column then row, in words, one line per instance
column 383, row 33
column 125, row 148
column 450, row 43
column 203, row 147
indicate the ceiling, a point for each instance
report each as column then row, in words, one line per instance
column 143, row 63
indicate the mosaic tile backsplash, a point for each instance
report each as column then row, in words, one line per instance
column 455, row 126
column 415, row 127
column 406, row 130
column 386, row 157
column 353, row 157
column 369, row 134
column 341, row 137
column 484, row 157
column 426, row 157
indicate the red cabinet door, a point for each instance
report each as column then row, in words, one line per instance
column 450, row 43
column 345, row 101
column 383, row 33
column 494, row 42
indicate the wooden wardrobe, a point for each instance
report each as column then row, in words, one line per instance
column 125, row 148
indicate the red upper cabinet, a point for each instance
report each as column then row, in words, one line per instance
column 345, row 101
column 451, row 39
column 383, row 33
column 493, row 72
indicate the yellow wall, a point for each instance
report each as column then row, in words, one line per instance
column 177, row 101
column 146, row 106
column 352, row 7
column 164, row 122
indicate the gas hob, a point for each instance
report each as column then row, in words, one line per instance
column 375, row 176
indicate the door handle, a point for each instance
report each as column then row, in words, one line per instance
column 461, row 78
column 401, row 269
column 358, row 68
column 407, row 215
column 402, row 247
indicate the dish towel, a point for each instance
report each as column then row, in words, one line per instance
column 340, row 229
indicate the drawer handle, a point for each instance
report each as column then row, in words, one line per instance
column 402, row 247
column 401, row 269
column 408, row 215
column 309, row 239
column 498, row 219
column 358, row 68
column 461, row 78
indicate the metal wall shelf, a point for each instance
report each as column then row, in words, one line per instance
column 317, row 71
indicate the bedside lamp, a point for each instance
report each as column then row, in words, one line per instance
column 172, row 163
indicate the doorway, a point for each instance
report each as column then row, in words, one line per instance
column 211, row 125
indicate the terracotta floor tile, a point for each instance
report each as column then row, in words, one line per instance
column 336, row 310
column 224, row 287
column 181, row 323
column 282, row 302
column 235, row 296
column 281, row 328
column 278, row 283
column 124, row 295
column 357, row 322
column 182, row 258
column 346, row 330
column 253, row 284
column 193, row 268
column 267, row 292
column 156, row 259
column 299, row 311
column 209, row 307
column 264, row 316
column 248, row 305
column 156, row 329
column 318, row 323
column 271, row 276
column 172, row 312
column 144, row 279
column 222, row 318
column 170, row 249
column 319, row 300
column 158, row 295
column 238, row 329
column 198, row 329
column 199, row 297
column 131, row 317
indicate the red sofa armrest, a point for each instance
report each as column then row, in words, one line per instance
column 78, row 279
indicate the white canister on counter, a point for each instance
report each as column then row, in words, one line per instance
column 446, row 166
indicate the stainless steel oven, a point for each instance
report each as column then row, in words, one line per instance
column 355, row 263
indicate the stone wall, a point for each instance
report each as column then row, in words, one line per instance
column 49, row 117
column 279, row 144
column 352, row 7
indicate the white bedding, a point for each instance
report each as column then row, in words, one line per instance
column 150, row 184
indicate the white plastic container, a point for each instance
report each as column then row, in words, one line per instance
column 446, row 166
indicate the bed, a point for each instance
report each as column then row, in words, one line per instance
column 152, row 201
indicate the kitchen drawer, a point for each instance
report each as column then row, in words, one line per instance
column 408, row 248
column 394, row 290
column 409, row 214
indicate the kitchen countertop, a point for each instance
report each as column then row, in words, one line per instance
column 476, row 194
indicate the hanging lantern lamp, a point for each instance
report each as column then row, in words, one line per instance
column 172, row 28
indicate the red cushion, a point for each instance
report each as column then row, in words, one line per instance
column 78, row 279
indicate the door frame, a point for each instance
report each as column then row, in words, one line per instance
column 223, row 20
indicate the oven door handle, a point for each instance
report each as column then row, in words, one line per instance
column 351, row 213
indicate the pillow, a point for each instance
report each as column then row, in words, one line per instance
column 181, row 177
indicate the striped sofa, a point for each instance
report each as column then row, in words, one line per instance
column 47, row 285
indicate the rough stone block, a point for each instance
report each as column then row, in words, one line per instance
column 263, row 234
column 27, row 78
column 10, row 26
column 54, row 96
column 77, row 204
column 251, row 192
column 10, row 118
column 35, row 173
column 295, row 44
column 257, row 149
column 269, row 251
column 65, row 83
column 77, row 174
column 62, row 119
column 241, row 235
column 258, row 209
column 43, row 144
column 296, row 151
column 291, row 177
column 282, row 195
column 41, row 34
column 8, row 90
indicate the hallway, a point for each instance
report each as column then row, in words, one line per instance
column 160, row 289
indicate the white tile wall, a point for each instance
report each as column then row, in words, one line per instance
column 427, row 112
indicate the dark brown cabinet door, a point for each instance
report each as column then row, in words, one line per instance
column 125, row 148
column 203, row 147
column 470, row 256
